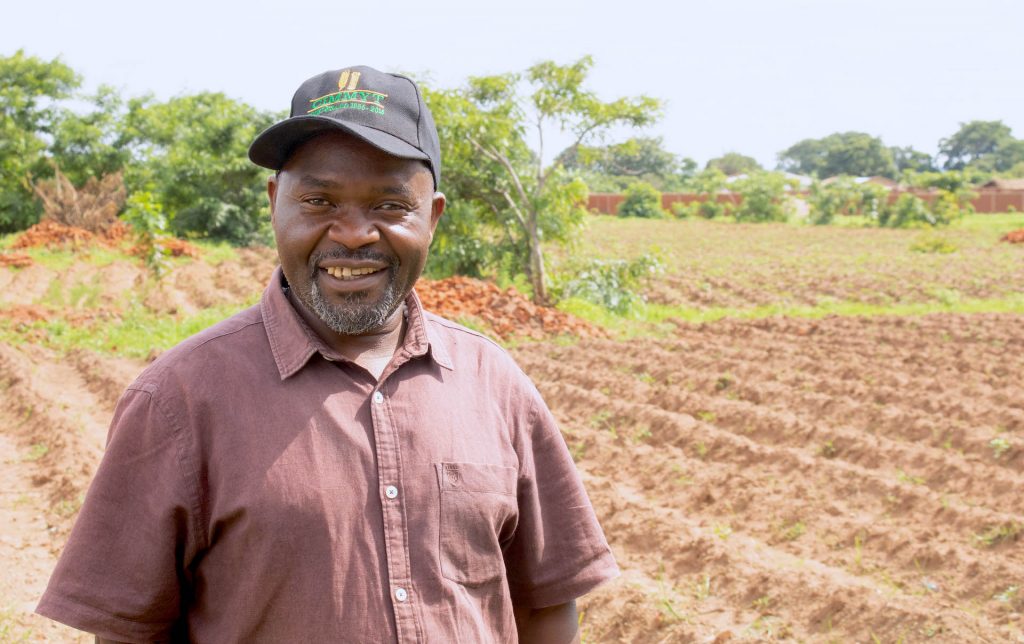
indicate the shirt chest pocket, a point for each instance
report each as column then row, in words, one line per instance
column 478, row 513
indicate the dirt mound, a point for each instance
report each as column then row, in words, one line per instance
column 507, row 313
column 15, row 260
column 1014, row 237
column 50, row 234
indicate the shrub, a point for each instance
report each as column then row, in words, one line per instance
column 642, row 200
column 145, row 214
column 906, row 212
column 845, row 197
column 764, row 197
column 613, row 284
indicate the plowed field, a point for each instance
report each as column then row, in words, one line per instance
column 842, row 479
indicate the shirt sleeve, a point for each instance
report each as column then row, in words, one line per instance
column 123, row 570
column 558, row 551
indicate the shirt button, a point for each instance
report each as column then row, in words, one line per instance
column 391, row 491
column 378, row 397
column 401, row 595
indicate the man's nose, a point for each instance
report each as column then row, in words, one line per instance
column 353, row 229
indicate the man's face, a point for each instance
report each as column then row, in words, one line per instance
column 353, row 225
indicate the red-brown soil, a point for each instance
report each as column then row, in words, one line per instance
column 835, row 480
column 506, row 314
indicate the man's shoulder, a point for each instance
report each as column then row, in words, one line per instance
column 468, row 348
column 238, row 337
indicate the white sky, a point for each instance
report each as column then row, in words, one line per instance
column 754, row 76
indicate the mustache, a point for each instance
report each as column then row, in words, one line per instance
column 360, row 254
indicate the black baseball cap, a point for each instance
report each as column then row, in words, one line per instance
column 385, row 110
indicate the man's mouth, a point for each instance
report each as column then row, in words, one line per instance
column 347, row 273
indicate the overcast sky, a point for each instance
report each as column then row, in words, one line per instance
column 753, row 76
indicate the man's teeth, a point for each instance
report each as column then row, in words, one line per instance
column 346, row 273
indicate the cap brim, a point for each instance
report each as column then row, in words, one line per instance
column 274, row 145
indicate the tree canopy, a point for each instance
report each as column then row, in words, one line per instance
column 30, row 89
column 734, row 163
column 851, row 153
column 492, row 169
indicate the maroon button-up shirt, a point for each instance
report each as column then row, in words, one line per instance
column 259, row 487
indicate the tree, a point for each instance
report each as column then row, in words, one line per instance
column 488, row 162
column 851, row 153
column 29, row 90
column 615, row 167
column 190, row 154
column 734, row 163
column 974, row 142
column 907, row 158
column 91, row 145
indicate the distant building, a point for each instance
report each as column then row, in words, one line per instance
column 1005, row 184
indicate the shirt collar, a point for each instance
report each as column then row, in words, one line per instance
column 293, row 343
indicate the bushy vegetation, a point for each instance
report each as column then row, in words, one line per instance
column 642, row 200
column 845, row 197
column 613, row 284
column 188, row 154
column 763, row 197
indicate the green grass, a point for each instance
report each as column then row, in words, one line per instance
column 135, row 335
column 718, row 270
column 641, row 320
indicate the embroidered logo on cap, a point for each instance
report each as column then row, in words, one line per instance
column 348, row 97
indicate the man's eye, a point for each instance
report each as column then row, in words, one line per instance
column 317, row 202
column 391, row 205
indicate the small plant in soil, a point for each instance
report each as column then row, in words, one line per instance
column 37, row 451
column 903, row 477
column 1000, row 446
column 828, row 449
column 999, row 533
column 702, row 589
column 792, row 531
column 642, row 434
column 706, row 416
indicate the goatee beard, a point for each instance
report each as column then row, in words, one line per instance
column 354, row 315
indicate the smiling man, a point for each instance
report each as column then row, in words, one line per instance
column 336, row 464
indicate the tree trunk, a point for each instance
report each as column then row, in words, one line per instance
column 538, row 277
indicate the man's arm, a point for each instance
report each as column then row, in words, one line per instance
column 551, row 625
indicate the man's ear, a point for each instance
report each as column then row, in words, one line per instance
column 436, row 210
column 271, row 194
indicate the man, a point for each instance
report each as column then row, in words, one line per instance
column 335, row 464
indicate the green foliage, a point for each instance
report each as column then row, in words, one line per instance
column 734, row 163
column 851, row 153
column 613, row 168
column 986, row 144
column 29, row 90
column 933, row 244
column 613, row 284
column 146, row 217
column 642, row 200
column 764, row 197
column 707, row 184
column 190, row 152
column 845, row 197
column 909, row 159
column 519, row 202
column 908, row 211
column 90, row 145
